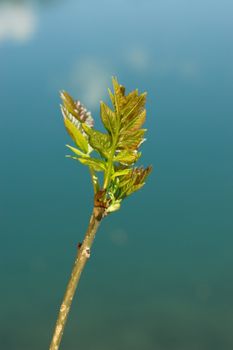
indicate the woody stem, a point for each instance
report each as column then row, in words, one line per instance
column 82, row 256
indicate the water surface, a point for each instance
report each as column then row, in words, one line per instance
column 160, row 277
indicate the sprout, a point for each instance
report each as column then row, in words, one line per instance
column 112, row 153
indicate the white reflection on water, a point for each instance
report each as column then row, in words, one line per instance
column 186, row 68
column 18, row 22
column 90, row 77
column 138, row 58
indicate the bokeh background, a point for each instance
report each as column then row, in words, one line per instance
column 161, row 273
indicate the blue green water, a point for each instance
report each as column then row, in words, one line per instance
column 161, row 273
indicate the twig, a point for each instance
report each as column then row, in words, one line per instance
column 79, row 264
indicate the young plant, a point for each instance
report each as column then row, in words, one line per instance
column 112, row 153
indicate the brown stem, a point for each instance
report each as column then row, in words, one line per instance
column 80, row 262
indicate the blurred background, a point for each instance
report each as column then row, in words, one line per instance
column 160, row 277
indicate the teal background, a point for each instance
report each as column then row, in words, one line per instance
column 160, row 277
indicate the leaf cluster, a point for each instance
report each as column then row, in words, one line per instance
column 115, row 151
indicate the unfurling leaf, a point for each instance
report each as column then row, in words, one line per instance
column 76, row 135
column 135, row 123
column 69, row 104
column 114, row 206
column 109, row 119
column 127, row 157
column 131, row 140
column 133, row 181
column 76, row 109
column 77, row 151
column 99, row 141
column 95, row 164
column 117, row 148
column 131, row 114
column 120, row 173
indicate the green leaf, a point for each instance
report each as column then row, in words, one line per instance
column 124, row 125
column 133, row 181
column 120, row 173
column 131, row 140
column 109, row 118
column 77, row 151
column 118, row 146
column 135, row 123
column 99, row 141
column 134, row 107
column 134, row 188
column 76, row 135
column 127, row 157
column 131, row 114
column 96, row 164
column 125, row 181
column 111, row 96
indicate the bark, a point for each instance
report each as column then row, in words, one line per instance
column 83, row 255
